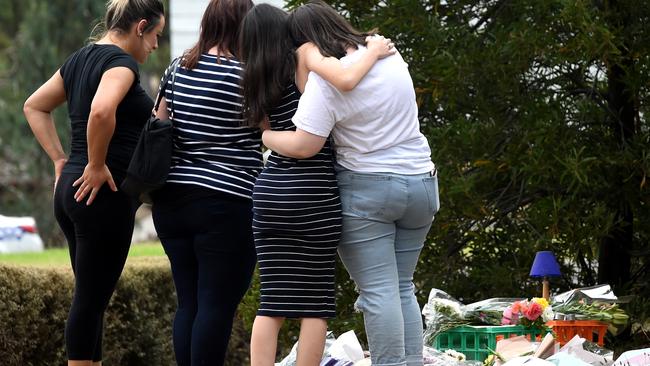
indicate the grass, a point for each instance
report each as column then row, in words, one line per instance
column 60, row 257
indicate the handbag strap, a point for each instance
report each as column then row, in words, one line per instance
column 161, row 91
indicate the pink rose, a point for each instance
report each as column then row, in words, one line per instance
column 533, row 311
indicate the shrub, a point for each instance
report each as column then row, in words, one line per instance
column 34, row 304
column 33, row 309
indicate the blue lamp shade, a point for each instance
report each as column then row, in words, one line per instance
column 545, row 265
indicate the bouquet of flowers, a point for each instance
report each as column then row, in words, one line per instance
column 488, row 311
column 594, row 303
column 441, row 312
column 532, row 313
column 610, row 313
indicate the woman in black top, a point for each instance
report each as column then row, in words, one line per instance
column 107, row 109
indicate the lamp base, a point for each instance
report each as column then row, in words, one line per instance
column 546, row 293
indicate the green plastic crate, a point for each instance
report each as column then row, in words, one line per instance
column 477, row 341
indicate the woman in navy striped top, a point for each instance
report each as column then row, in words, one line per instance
column 203, row 213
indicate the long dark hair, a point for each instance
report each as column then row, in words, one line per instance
column 219, row 27
column 319, row 23
column 269, row 58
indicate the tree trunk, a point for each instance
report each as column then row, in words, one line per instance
column 614, row 259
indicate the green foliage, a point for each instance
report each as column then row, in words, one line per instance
column 34, row 304
column 139, row 317
column 36, row 312
column 536, row 111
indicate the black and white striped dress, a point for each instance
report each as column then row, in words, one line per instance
column 296, row 225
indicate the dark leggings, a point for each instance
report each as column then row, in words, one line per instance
column 209, row 242
column 98, row 238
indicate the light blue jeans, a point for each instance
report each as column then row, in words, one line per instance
column 386, row 218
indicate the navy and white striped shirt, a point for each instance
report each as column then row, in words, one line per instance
column 212, row 146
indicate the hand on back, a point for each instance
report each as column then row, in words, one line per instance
column 91, row 181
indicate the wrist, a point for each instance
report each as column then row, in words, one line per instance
column 95, row 165
column 375, row 53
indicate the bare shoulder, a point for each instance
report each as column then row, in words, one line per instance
column 307, row 46
column 308, row 50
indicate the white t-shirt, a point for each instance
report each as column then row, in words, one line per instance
column 375, row 126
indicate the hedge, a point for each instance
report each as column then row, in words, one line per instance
column 34, row 303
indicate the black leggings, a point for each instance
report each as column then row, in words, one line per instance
column 209, row 242
column 98, row 238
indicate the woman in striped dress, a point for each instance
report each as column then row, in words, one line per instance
column 203, row 215
column 296, row 225
column 296, row 206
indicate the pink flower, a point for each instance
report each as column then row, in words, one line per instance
column 533, row 311
column 516, row 307
column 509, row 317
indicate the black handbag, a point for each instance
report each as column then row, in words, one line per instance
column 151, row 160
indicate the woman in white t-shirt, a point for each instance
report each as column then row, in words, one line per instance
column 387, row 182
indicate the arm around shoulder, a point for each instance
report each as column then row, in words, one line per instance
column 297, row 144
column 331, row 69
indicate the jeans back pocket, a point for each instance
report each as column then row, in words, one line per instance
column 364, row 195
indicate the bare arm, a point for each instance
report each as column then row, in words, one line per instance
column 331, row 68
column 297, row 144
column 162, row 112
column 38, row 112
column 114, row 85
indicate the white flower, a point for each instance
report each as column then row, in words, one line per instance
column 448, row 304
column 455, row 355
column 547, row 314
column 436, row 306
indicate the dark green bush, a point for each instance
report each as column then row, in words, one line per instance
column 34, row 304
column 33, row 309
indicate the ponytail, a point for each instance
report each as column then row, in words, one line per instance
column 121, row 14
